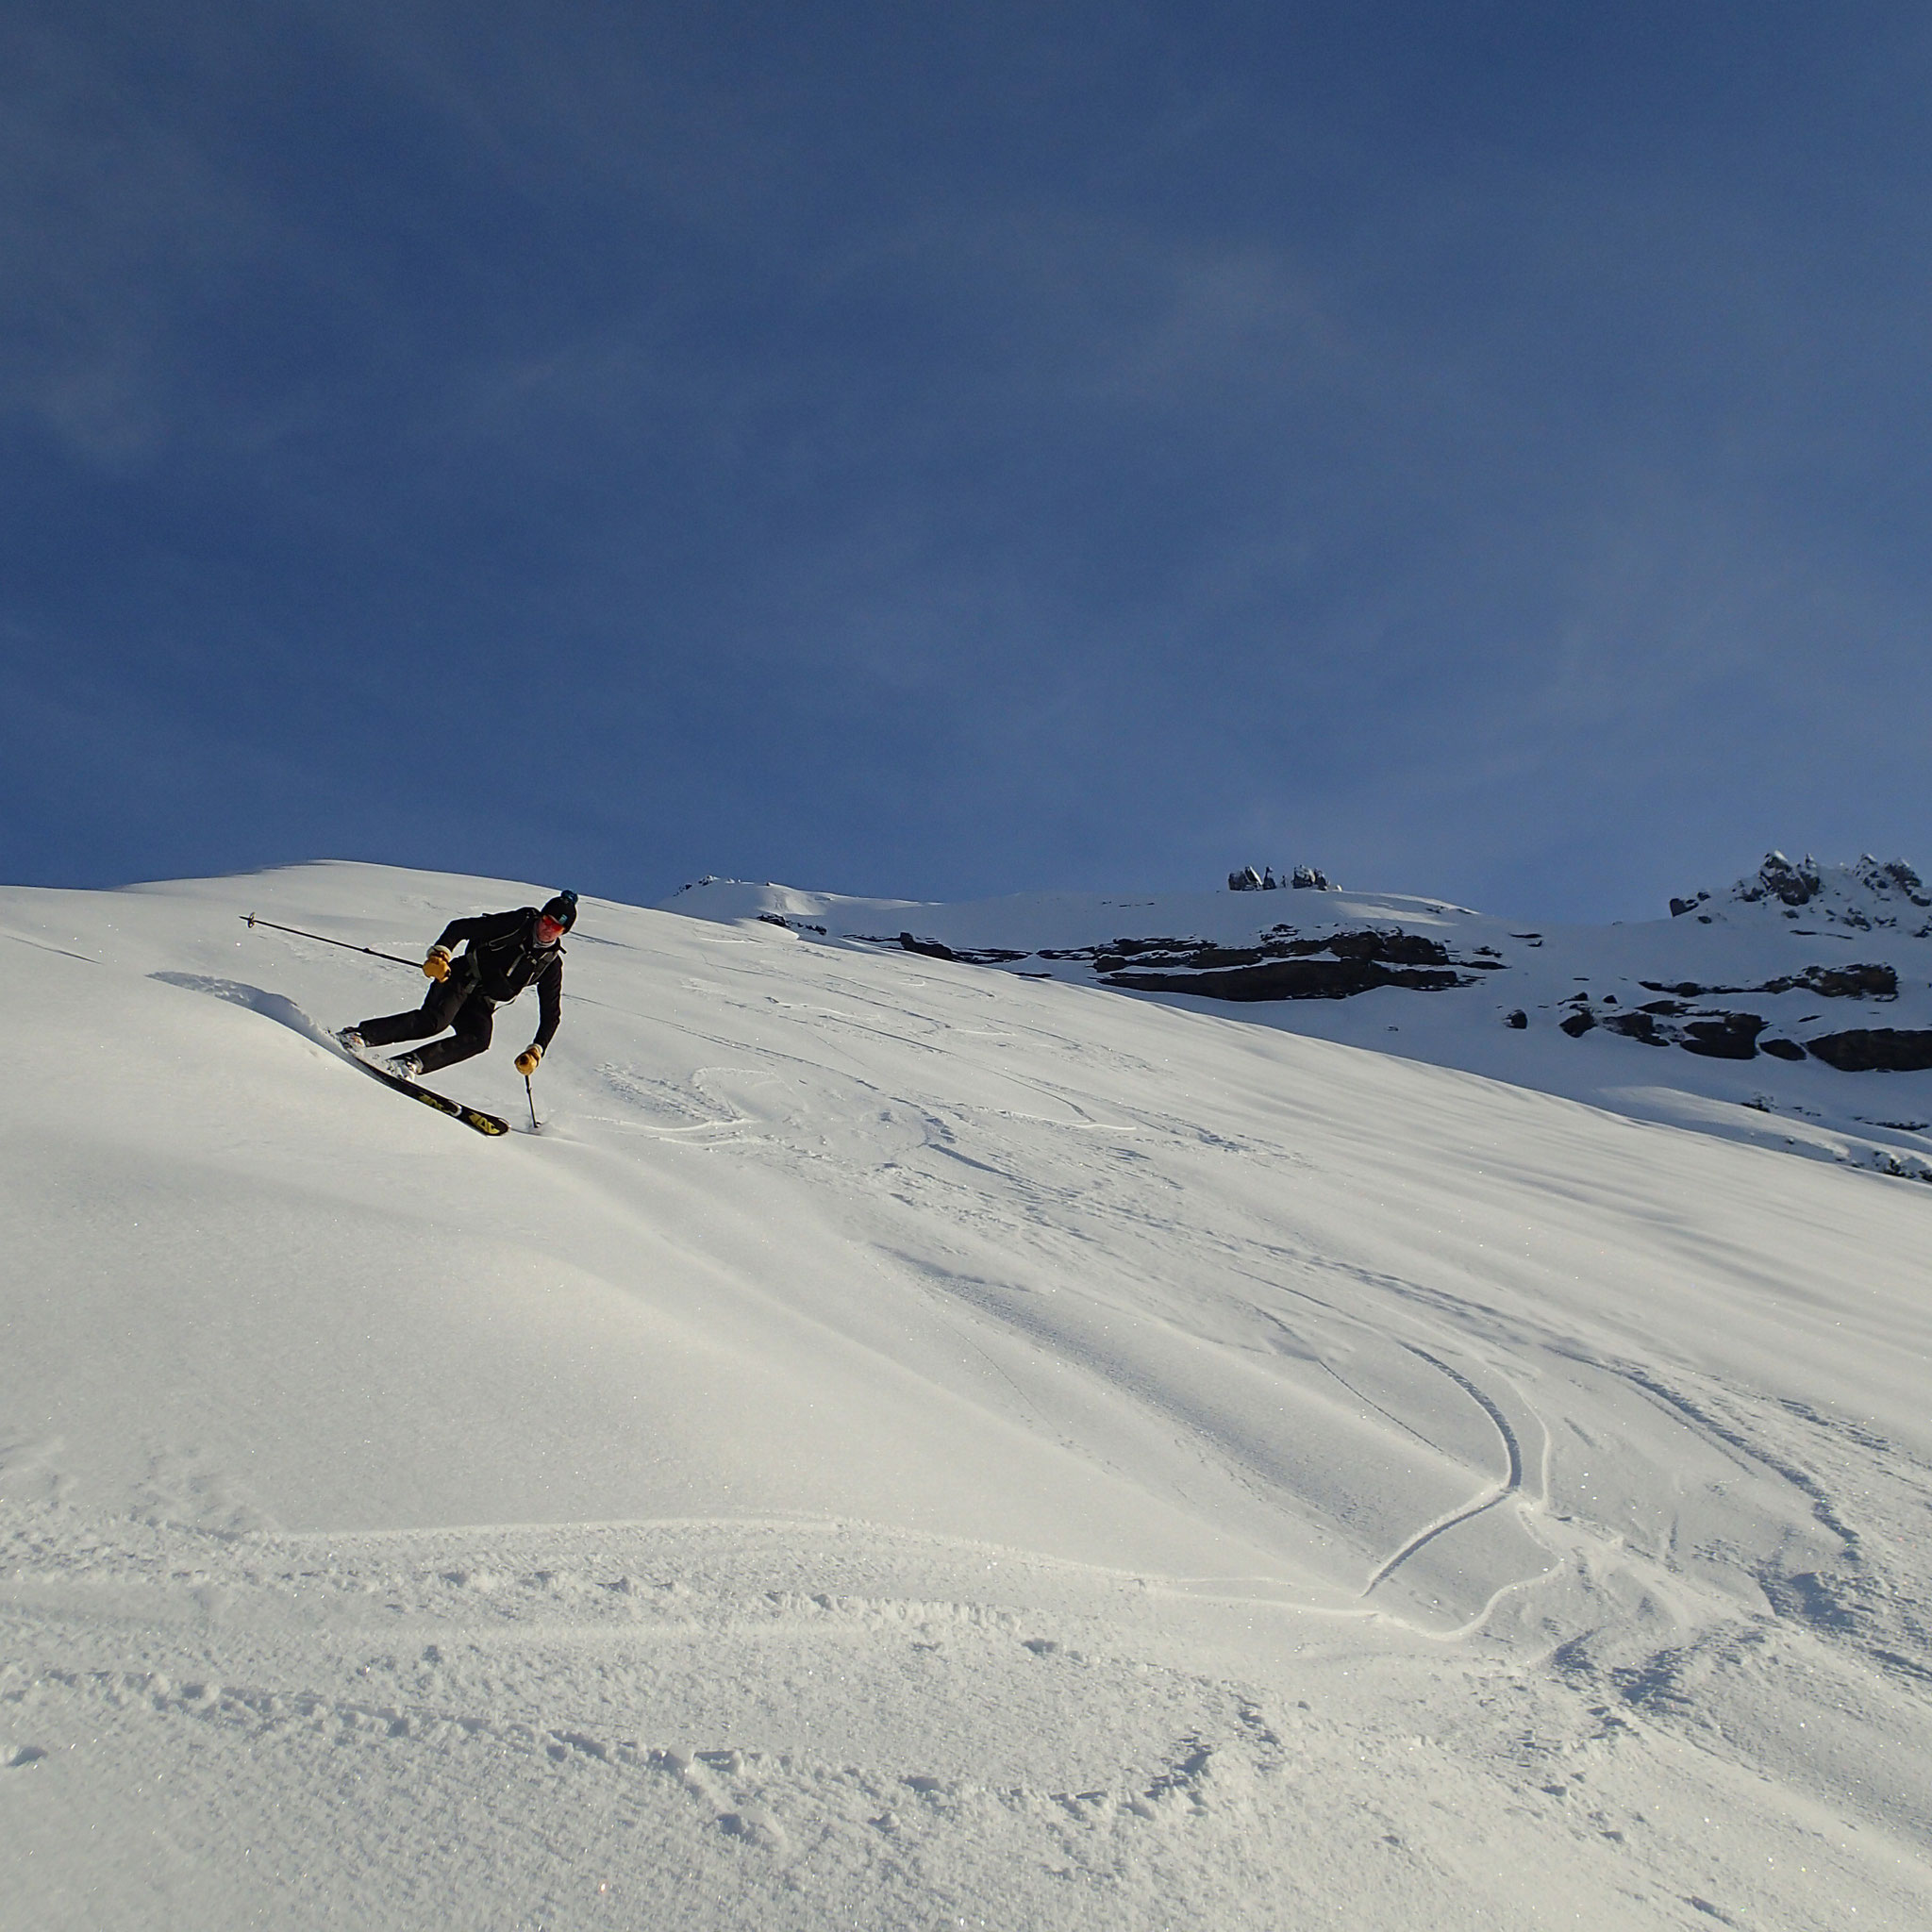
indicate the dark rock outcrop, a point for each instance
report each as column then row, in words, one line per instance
column 1778, row 878
column 1828, row 982
column 1307, row 877
column 1875, row 1050
column 1781, row 1049
column 1282, row 965
column 1719, row 1036
column 1639, row 1025
column 1398, row 947
column 1724, row 1036
column 1392, row 947
column 1884, row 877
column 966, row 956
column 1843, row 982
column 1292, row 979
column 1871, row 894
column 1198, row 956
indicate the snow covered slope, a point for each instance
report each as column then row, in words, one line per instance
column 912, row 1446
column 1798, row 1005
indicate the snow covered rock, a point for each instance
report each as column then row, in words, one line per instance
column 1304, row 878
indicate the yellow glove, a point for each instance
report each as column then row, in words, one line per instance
column 527, row 1060
column 437, row 965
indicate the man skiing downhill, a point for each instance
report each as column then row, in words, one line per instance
column 503, row 952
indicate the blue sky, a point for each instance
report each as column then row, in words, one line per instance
column 945, row 450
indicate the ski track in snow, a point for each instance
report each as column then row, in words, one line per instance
column 980, row 1452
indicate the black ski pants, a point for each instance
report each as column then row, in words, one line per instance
column 452, row 1003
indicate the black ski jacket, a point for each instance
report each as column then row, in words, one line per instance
column 504, row 957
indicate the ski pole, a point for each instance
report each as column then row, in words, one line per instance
column 533, row 1103
column 249, row 920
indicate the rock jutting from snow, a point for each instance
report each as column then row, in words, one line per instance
column 1280, row 966
column 968, row 955
column 1875, row 1050
column 1292, row 979
column 1778, row 878
column 1304, row 878
column 1865, row 896
column 1828, row 982
column 1869, row 893
column 1724, row 1036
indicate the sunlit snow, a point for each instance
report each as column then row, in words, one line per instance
column 912, row 1444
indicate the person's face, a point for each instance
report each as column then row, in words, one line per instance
column 548, row 930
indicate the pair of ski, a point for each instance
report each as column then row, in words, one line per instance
column 471, row 1116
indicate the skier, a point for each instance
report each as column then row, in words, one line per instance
column 506, row 953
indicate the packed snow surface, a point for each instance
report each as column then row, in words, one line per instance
column 915, row 1445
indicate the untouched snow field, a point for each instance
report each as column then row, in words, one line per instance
column 909, row 1445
